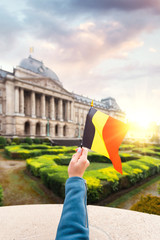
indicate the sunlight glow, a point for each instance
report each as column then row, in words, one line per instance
column 141, row 125
column 143, row 119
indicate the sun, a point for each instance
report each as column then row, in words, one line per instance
column 141, row 118
column 140, row 125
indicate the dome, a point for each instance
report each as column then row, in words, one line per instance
column 38, row 67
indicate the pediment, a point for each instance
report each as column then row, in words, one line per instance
column 51, row 84
column 46, row 83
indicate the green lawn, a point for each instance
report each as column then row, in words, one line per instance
column 96, row 166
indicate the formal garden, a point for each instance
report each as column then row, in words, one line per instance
column 49, row 163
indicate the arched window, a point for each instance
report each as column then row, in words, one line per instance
column 56, row 130
column 64, row 130
column 38, row 128
column 27, row 128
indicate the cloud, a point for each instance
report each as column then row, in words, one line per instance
column 91, row 45
column 9, row 30
column 94, row 6
column 153, row 50
column 88, row 42
column 75, row 48
column 85, row 42
column 83, row 38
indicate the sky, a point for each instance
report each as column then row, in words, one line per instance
column 98, row 48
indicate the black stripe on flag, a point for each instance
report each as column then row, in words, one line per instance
column 89, row 129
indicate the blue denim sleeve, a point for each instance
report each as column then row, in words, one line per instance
column 73, row 224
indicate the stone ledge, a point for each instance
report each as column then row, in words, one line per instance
column 39, row 222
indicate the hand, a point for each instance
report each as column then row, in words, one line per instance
column 78, row 163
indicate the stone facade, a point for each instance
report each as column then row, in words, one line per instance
column 34, row 103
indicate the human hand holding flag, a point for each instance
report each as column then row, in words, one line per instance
column 104, row 134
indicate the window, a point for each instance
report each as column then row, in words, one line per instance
column 76, row 132
column 0, row 92
column 0, row 126
column 76, row 119
column 81, row 120
column 0, row 108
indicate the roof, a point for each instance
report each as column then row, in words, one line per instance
column 104, row 103
column 3, row 73
column 38, row 67
column 111, row 103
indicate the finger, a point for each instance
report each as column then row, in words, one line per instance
column 77, row 155
column 83, row 164
column 84, row 153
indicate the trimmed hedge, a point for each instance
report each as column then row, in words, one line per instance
column 148, row 204
column 1, row 196
column 28, row 140
column 50, row 164
column 37, row 141
column 124, row 147
column 16, row 141
column 159, row 187
column 25, row 151
column 3, row 142
column 101, row 183
column 125, row 157
column 155, row 148
column 150, row 151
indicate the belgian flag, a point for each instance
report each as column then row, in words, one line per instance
column 104, row 134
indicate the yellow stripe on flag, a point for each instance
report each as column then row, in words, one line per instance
column 99, row 120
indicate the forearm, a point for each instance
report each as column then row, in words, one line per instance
column 74, row 219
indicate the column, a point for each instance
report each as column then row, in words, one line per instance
column 67, row 131
column 43, row 107
column 33, row 105
column 72, row 111
column 16, row 100
column 84, row 117
column 60, row 130
column 79, row 116
column 67, row 111
column 52, row 130
column 22, row 101
column 60, row 110
column 33, row 129
column 43, row 129
column 52, row 108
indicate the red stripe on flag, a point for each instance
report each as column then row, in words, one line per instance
column 113, row 133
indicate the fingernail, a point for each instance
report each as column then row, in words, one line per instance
column 79, row 150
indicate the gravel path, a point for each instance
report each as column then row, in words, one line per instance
column 19, row 188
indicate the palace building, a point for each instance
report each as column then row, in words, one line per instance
column 33, row 102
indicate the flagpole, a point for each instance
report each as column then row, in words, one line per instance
column 91, row 106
